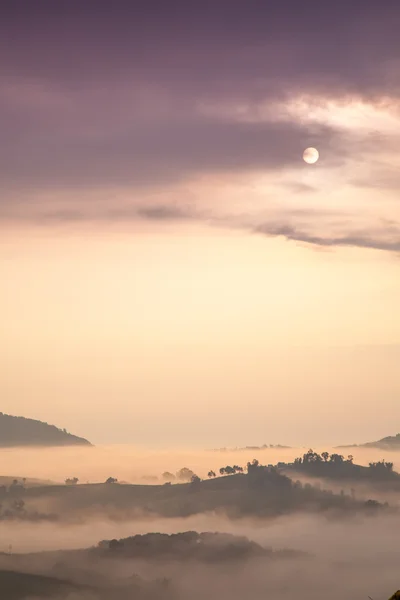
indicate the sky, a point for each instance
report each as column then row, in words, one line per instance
column 173, row 272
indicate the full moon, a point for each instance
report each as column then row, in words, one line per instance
column 310, row 155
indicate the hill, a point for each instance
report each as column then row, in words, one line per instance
column 209, row 547
column 391, row 442
column 261, row 492
column 18, row 586
column 19, row 431
column 336, row 466
column 115, row 569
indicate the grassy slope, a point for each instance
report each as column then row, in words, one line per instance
column 234, row 494
column 17, row 586
column 19, row 431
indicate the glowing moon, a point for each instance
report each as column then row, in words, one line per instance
column 310, row 155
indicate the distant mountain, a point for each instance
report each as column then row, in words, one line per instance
column 19, row 431
column 391, row 442
column 252, row 448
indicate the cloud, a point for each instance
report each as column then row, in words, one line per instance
column 165, row 213
column 380, row 177
column 337, row 225
column 121, row 105
column 107, row 147
column 229, row 47
column 363, row 239
column 150, row 98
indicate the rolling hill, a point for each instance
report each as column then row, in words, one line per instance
column 390, row 442
column 206, row 547
column 265, row 493
column 19, row 431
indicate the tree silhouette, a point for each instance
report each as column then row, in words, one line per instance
column 72, row 481
column 185, row 474
column 337, row 459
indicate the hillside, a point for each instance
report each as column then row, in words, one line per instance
column 262, row 492
column 337, row 467
column 19, row 431
column 209, row 547
column 391, row 442
column 18, row 586
column 114, row 568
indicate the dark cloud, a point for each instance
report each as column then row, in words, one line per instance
column 278, row 224
column 207, row 46
column 101, row 149
column 105, row 95
column 363, row 239
column 100, row 93
column 165, row 213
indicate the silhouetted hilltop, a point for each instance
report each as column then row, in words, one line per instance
column 262, row 491
column 391, row 442
column 190, row 545
column 83, row 575
column 19, row 431
column 336, row 466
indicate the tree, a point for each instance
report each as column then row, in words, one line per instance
column 253, row 466
column 195, row 479
column 19, row 506
column 311, row 457
column 111, row 480
column 237, row 469
column 167, row 476
column 325, row 456
column 337, row 459
column 16, row 487
column 381, row 466
column 184, row 474
column 228, row 470
column 71, row 481
column 372, row 504
column 211, row 474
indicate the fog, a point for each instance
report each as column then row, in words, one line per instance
column 132, row 464
column 351, row 555
column 348, row 560
column 349, row 540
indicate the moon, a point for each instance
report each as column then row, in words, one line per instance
column 310, row 155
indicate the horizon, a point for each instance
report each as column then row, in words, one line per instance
column 175, row 271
